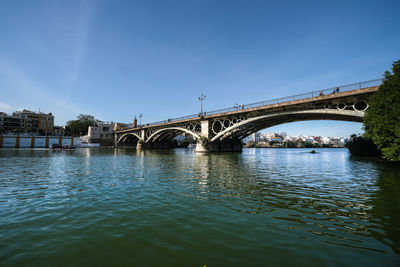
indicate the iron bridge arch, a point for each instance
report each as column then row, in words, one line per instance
column 239, row 128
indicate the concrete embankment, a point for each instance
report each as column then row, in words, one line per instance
column 31, row 141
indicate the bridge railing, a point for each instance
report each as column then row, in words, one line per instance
column 174, row 119
column 312, row 94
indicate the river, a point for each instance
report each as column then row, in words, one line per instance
column 261, row 207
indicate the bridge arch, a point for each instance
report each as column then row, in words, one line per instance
column 159, row 133
column 123, row 137
column 251, row 125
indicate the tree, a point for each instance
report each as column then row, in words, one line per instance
column 275, row 142
column 362, row 146
column 382, row 119
column 81, row 125
column 289, row 144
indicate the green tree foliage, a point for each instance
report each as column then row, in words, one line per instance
column 272, row 143
column 382, row 119
column 289, row 144
column 362, row 146
column 307, row 144
column 81, row 125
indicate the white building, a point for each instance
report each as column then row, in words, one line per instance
column 256, row 137
column 103, row 131
column 326, row 140
column 310, row 139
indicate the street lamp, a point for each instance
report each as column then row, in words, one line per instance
column 140, row 118
column 201, row 99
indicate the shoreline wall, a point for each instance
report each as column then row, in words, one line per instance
column 25, row 141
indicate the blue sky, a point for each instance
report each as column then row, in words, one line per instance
column 116, row 59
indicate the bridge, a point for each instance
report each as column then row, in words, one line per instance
column 223, row 130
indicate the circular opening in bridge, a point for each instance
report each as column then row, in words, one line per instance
column 327, row 106
column 191, row 127
column 360, row 105
column 227, row 123
column 341, row 106
column 197, row 128
column 217, row 127
column 234, row 121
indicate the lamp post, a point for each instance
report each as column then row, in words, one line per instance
column 140, row 118
column 201, row 99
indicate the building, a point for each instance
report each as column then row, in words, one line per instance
column 58, row 130
column 2, row 115
column 103, row 132
column 256, row 137
column 10, row 123
column 326, row 140
column 276, row 139
column 337, row 142
column 121, row 126
column 27, row 121
column 32, row 122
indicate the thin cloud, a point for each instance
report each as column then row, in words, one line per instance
column 27, row 87
column 4, row 107
column 82, row 27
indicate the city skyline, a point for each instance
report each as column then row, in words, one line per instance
column 116, row 61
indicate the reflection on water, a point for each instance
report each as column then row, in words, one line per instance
column 174, row 207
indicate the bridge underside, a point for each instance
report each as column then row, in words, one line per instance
column 230, row 139
column 128, row 140
column 247, row 129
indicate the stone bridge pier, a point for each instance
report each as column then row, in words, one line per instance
column 204, row 144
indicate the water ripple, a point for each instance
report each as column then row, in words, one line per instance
column 260, row 207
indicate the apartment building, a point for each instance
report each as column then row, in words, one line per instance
column 27, row 121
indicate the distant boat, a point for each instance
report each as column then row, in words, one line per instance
column 192, row 146
column 58, row 147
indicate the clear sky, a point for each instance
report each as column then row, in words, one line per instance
column 116, row 59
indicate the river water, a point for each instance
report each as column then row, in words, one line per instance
column 261, row 207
